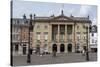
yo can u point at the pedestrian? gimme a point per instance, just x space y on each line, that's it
54 53
41 51
83 52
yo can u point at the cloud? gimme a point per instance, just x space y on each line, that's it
84 10
94 21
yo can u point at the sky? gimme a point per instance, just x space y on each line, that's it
48 9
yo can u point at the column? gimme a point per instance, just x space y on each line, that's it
65 39
65 33
58 47
73 39
58 33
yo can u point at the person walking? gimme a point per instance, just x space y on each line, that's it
54 53
83 52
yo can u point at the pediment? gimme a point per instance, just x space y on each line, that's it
62 18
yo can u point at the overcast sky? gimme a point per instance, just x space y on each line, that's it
47 9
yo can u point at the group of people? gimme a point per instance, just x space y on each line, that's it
41 52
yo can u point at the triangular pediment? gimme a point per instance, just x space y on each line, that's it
62 17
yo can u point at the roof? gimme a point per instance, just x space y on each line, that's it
61 17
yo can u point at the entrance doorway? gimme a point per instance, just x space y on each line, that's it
69 47
24 49
62 48
54 47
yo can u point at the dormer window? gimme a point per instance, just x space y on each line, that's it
26 22
17 21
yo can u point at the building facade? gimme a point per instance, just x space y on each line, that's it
61 33
93 38
20 36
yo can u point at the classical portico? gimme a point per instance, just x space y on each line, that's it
63 37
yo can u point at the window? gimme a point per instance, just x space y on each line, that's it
78 37
46 27
84 37
78 32
77 27
16 47
17 37
84 26
95 41
17 30
26 22
78 46
92 34
92 40
38 26
69 29
31 38
37 32
38 35
84 32
45 35
17 21
62 37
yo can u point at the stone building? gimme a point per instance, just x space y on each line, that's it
93 38
20 36
61 33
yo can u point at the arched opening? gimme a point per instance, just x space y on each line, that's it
62 48
54 47
24 49
38 49
69 47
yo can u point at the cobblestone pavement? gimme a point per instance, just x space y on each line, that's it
48 59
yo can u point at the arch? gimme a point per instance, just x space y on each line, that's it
54 47
69 47
62 48
24 49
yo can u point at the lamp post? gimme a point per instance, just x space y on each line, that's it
11 31
29 55
87 53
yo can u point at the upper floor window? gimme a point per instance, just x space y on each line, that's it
17 21
84 32
92 34
78 32
84 26
26 22
95 41
77 27
45 26
45 35
69 29
38 35
38 32
92 40
38 26
78 37
84 37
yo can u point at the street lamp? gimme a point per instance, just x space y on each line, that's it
87 53
11 44
29 55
